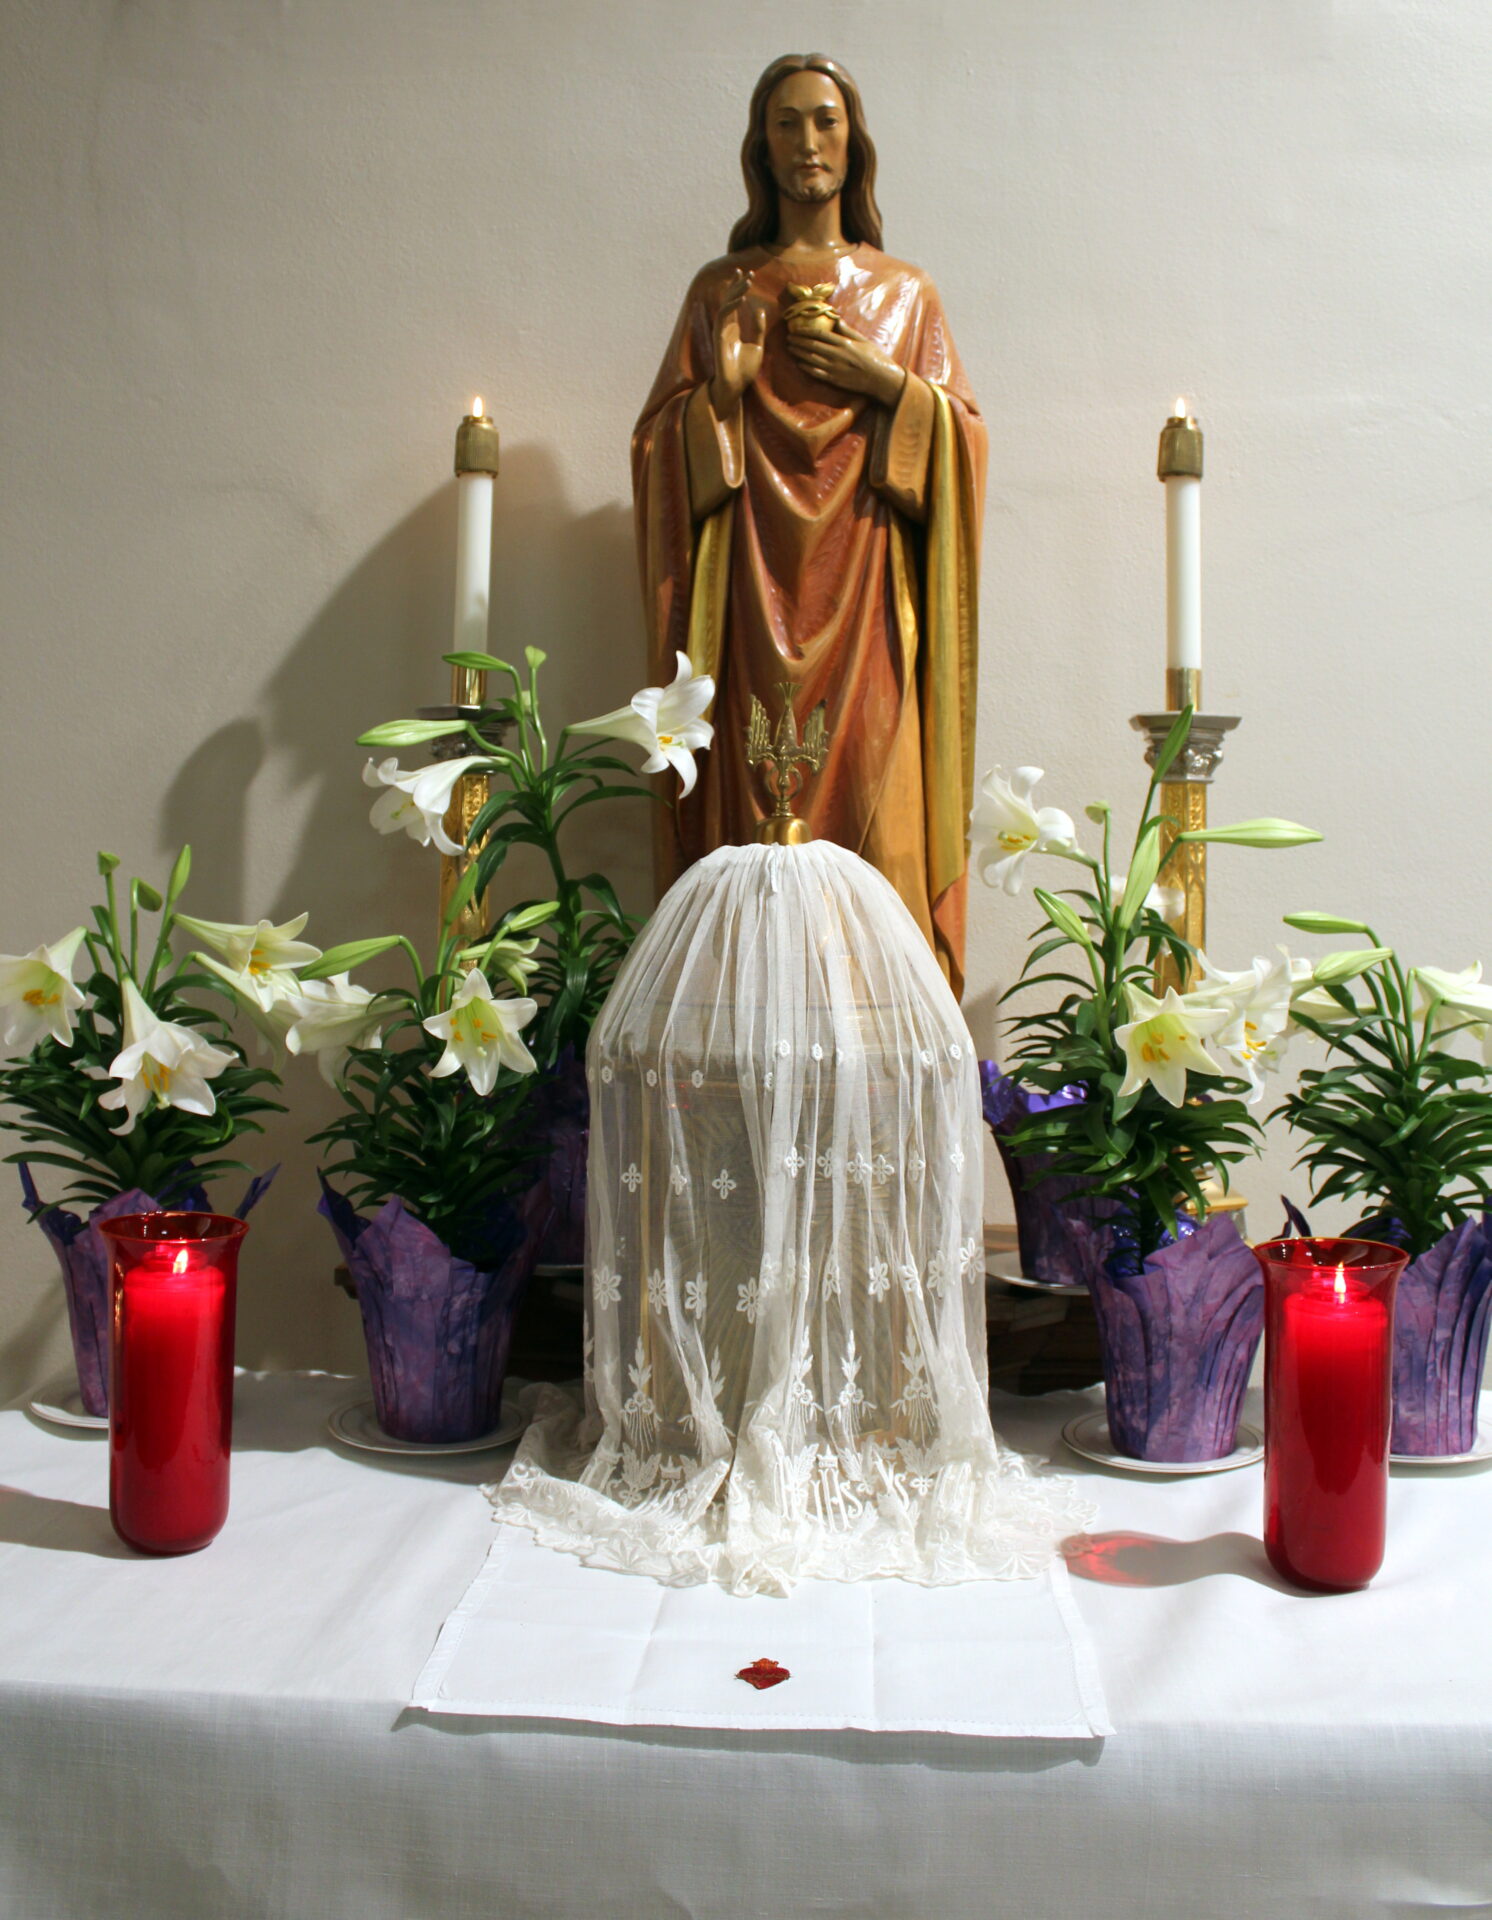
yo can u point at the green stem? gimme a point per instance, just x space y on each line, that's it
114 946
533 694
162 940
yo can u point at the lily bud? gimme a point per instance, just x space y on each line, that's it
1255 833
1325 923
1333 968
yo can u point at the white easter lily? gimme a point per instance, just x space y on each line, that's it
1005 827
416 802
1257 1001
162 1064
1464 1002
666 721
481 1034
1164 1041
328 1017
271 1022
260 959
37 995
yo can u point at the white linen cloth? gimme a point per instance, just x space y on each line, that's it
222 1737
540 1635
786 1374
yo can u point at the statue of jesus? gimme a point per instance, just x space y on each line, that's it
808 474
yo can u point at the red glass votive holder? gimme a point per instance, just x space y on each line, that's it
172 1288
1328 1407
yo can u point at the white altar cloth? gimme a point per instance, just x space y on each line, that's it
540 1635
224 1737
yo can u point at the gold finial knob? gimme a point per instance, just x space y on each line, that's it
477 442
784 756
1180 452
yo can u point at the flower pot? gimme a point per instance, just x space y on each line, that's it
1178 1334
83 1255
1065 1234
563 1110
1440 1341
438 1329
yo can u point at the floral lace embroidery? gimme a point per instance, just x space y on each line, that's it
606 1287
695 1293
723 1184
632 1178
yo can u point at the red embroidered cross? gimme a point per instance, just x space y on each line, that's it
764 1673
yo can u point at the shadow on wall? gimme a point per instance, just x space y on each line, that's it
565 582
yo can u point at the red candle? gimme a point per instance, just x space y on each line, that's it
173 1279
1328 1406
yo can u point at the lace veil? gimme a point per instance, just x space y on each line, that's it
785 1338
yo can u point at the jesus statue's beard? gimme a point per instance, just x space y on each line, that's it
811 192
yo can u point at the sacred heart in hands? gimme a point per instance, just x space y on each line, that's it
764 1673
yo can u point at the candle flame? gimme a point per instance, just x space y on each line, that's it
181 1262
476 408
1339 1285
1179 412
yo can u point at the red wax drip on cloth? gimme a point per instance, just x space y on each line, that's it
764 1673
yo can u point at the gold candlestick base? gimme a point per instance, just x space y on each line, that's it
1183 798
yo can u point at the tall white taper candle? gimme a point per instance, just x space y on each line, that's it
473 553
1180 468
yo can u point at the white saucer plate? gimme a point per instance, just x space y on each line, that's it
1013 1277
60 1404
356 1426
1088 1435
1481 1451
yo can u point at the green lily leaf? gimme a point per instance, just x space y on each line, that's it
1174 741
351 953
478 662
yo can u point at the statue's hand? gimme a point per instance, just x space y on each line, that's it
740 335
849 361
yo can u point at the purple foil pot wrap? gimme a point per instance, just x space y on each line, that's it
83 1255
1440 1336
564 1110
1178 1334
1065 1234
437 1328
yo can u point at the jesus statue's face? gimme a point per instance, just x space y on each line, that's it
808 137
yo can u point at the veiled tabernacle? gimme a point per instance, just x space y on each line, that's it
786 1371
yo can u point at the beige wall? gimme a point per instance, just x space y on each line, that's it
257 256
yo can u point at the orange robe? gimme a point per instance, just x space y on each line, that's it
820 538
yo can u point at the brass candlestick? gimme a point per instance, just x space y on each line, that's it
1183 799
